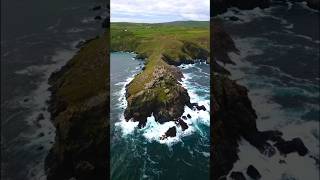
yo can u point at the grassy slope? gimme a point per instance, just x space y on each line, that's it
157 40
79 109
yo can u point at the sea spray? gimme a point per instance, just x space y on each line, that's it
154 130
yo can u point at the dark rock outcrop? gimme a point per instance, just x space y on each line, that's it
295 145
183 124
171 132
163 96
237 176
253 172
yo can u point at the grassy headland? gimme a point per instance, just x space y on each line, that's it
79 110
162 45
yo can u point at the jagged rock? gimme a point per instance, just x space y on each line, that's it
163 96
183 124
171 132
202 107
237 176
295 145
253 172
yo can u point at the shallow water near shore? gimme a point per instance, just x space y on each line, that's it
139 153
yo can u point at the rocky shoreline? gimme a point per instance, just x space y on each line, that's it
156 91
79 108
234 117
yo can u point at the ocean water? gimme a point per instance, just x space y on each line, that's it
37 38
279 63
139 153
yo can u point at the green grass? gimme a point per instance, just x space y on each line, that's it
158 40
88 75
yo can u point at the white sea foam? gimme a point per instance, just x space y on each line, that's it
295 166
271 116
154 130
37 103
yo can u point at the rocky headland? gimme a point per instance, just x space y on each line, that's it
157 90
79 108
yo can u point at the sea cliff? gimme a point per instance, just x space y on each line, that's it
79 108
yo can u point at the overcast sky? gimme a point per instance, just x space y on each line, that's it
159 10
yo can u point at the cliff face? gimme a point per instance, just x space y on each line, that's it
79 109
233 115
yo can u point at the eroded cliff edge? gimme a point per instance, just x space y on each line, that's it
79 108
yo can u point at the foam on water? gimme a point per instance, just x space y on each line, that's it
37 103
272 116
294 166
154 130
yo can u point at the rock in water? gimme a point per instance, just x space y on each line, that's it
295 145
171 132
253 172
203 108
237 176
183 124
